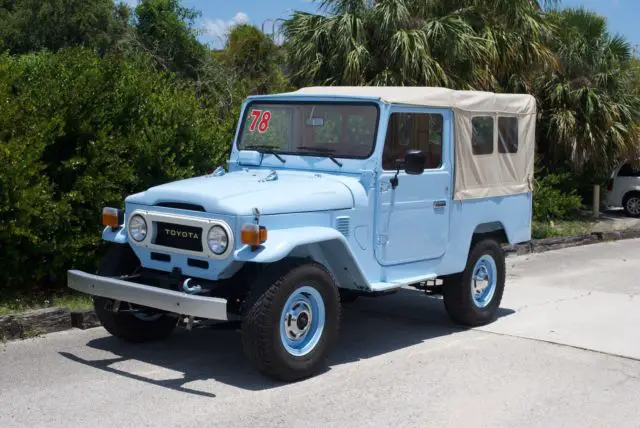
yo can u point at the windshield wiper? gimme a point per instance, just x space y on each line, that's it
266 149
321 151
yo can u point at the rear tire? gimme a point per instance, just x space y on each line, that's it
120 260
631 204
473 296
291 320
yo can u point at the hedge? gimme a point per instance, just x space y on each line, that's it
78 132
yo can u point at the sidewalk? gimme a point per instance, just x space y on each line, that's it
615 221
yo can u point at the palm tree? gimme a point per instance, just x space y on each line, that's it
466 44
589 110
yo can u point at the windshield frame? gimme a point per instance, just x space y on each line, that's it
294 101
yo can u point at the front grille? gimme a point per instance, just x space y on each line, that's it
179 236
181 206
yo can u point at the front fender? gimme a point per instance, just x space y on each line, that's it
323 244
281 243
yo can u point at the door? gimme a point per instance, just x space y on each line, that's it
412 219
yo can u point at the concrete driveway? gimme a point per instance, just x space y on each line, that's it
564 353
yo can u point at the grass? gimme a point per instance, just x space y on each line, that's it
73 302
561 228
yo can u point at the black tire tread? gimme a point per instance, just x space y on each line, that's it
456 288
257 329
121 260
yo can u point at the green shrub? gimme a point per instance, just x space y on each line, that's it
79 132
551 200
30 216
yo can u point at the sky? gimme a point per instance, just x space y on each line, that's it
218 15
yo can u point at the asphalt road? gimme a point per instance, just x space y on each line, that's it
564 353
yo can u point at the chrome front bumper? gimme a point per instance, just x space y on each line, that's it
152 297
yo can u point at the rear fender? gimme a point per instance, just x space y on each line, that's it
494 230
632 189
324 245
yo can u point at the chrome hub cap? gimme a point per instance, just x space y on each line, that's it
483 281
302 321
298 320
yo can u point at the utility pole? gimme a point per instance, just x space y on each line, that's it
596 201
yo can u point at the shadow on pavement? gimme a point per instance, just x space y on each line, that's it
370 327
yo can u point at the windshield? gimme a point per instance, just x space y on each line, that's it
311 129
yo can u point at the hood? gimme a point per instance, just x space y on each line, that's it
238 192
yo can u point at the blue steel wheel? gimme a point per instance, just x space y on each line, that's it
302 321
472 297
484 280
291 319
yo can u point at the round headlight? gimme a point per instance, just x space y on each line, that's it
138 228
218 240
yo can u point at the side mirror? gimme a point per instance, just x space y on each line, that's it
414 162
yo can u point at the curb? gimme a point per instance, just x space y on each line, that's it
50 320
551 244
41 321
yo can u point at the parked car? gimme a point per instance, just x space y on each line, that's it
623 190
331 193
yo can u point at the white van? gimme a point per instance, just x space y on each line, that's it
623 190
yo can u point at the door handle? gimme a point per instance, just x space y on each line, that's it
439 204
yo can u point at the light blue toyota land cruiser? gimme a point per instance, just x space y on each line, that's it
330 193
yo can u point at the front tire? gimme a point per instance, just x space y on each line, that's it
120 260
292 320
473 297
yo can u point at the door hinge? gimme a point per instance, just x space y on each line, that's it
385 186
382 239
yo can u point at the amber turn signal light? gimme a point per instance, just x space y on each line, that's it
112 217
252 234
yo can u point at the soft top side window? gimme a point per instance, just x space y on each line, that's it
408 131
482 135
507 134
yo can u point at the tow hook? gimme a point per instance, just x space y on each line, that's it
190 289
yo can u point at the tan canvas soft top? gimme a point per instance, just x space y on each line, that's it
476 176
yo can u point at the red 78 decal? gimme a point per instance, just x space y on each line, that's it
261 120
